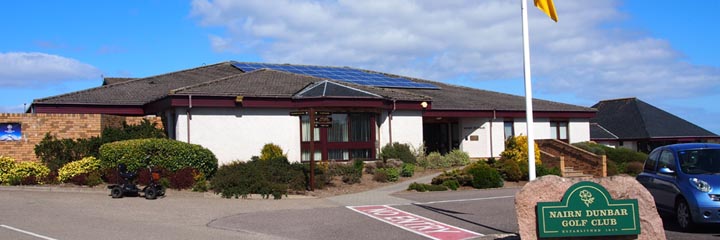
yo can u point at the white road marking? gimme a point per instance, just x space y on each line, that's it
27 232
414 223
465 200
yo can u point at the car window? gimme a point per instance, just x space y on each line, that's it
651 162
667 160
700 161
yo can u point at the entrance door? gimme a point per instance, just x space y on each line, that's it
441 137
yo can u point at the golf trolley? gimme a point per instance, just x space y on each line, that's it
126 186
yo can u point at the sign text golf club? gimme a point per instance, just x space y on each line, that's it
587 209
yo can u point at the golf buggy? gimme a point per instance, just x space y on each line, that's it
127 187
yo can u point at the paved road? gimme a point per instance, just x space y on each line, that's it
94 215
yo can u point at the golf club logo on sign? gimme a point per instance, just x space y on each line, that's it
587 209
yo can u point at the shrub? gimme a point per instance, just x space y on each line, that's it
270 151
457 157
510 170
435 161
398 151
516 149
451 184
407 170
624 155
25 173
462 177
6 165
542 171
201 183
421 187
358 165
386 175
591 147
484 176
181 179
270 177
90 179
370 167
393 163
164 153
85 166
634 168
612 168
55 153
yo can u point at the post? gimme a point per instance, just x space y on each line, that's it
312 149
528 93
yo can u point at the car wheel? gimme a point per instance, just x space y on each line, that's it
683 216
150 193
116 192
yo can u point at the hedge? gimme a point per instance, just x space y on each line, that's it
164 153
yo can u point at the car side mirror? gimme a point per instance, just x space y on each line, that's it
666 170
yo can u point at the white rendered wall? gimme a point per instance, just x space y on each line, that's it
238 134
541 128
487 144
407 127
579 130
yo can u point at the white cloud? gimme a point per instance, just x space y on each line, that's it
583 54
23 69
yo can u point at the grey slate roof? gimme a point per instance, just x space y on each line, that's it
143 90
223 79
631 118
453 97
114 80
273 83
600 133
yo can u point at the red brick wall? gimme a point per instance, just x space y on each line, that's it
35 126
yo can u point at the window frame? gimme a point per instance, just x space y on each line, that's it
556 130
324 145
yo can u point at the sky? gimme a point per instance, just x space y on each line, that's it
662 52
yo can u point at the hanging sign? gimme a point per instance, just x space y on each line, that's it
587 209
10 132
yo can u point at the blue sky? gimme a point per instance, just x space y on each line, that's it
662 52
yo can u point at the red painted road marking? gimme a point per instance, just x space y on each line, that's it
414 223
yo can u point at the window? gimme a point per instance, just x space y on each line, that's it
509 129
651 162
559 130
667 160
351 136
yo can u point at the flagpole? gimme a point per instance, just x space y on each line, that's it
528 93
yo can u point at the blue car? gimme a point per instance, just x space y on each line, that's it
684 179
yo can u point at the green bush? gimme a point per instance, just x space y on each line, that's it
270 151
84 166
451 184
542 171
624 155
421 187
591 147
634 168
386 175
612 168
510 170
484 176
164 153
55 153
437 161
457 157
460 176
398 151
272 177
16 173
407 170
359 165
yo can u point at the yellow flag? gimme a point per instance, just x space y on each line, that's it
548 7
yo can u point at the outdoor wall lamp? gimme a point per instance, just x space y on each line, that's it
424 105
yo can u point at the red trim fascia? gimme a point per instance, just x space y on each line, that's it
200 101
682 139
505 114
90 109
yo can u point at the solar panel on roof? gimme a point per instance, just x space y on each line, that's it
350 75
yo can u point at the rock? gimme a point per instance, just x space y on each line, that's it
552 188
